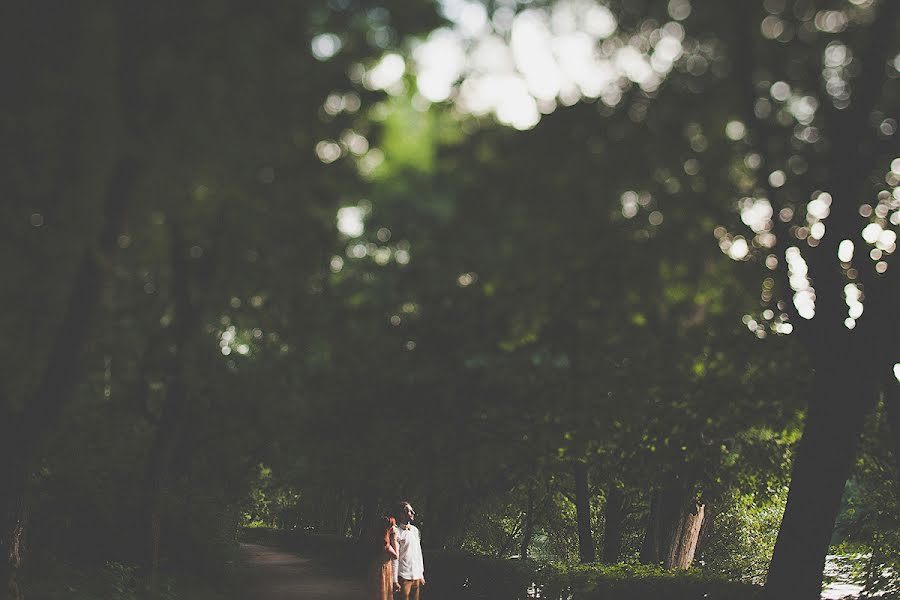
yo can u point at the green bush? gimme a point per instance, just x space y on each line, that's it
640 582
54 580
458 575
743 537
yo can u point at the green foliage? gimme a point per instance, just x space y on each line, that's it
114 581
271 504
743 536
641 582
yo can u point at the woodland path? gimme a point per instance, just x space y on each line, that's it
272 574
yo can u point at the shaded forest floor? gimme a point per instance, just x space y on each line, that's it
270 574
287 568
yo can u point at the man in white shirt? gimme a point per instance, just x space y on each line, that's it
409 568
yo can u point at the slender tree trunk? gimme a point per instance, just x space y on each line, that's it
356 532
341 513
347 521
586 550
157 478
892 408
370 505
15 524
528 526
673 528
843 394
650 544
614 517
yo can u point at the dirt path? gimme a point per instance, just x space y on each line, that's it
270 574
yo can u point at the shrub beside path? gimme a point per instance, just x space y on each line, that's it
271 574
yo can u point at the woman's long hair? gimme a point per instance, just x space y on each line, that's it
383 527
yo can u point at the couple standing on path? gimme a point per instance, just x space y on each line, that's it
398 565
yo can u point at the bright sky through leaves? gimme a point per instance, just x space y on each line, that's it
518 65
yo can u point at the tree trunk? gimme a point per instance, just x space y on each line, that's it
673 527
172 415
586 551
528 526
15 524
23 433
686 537
892 408
843 394
614 517
158 467
347 521
367 518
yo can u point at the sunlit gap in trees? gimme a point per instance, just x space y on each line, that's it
387 73
786 105
517 63
804 293
884 214
351 226
245 342
632 201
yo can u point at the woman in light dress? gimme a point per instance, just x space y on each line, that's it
381 579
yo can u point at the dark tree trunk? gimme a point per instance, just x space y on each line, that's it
843 394
892 408
367 518
613 517
172 416
586 551
650 545
157 477
673 527
446 516
528 526
22 433
347 521
15 524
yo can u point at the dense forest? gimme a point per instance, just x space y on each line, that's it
606 288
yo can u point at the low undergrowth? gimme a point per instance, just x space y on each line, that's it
51 579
